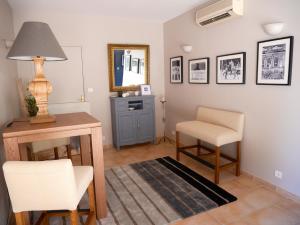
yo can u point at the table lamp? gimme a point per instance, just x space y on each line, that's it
36 42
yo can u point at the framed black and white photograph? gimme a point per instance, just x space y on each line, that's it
135 65
145 89
274 61
142 66
127 62
199 71
176 70
231 69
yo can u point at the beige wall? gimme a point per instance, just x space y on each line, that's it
8 94
93 32
272 129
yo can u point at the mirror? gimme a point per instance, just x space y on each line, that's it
128 66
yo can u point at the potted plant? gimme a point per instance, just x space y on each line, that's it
31 105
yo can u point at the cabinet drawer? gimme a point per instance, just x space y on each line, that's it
122 106
135 105
148 105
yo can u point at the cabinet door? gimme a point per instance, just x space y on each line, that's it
145 126
127 128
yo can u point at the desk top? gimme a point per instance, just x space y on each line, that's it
68 121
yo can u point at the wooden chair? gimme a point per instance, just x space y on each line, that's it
47 186
55 144
216 127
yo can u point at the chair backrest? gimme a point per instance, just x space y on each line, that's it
229 119
41 185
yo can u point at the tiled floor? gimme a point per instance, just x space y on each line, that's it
257 204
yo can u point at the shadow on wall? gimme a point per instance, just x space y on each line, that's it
4 199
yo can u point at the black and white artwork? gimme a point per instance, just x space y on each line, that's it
274 61
142 66
176 70
199 71
127 62
231 68
135 65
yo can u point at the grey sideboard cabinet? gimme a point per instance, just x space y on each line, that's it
133 120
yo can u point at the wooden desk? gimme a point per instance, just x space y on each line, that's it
67 125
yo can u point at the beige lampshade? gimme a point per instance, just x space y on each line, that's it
36 39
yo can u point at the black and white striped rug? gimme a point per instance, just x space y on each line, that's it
157 192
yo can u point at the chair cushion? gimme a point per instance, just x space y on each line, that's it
83 177
46 185
207 132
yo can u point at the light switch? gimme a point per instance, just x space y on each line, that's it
90 90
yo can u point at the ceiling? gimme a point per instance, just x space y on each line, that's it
158 10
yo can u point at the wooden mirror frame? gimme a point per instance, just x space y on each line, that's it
111 48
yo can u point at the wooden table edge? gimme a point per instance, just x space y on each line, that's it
49 130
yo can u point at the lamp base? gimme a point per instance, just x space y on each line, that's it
42 119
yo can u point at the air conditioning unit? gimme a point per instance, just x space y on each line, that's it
219 12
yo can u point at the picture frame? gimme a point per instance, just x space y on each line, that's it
274 61
176 70
142 66
199 71
135 65
127 62
231 68
145 89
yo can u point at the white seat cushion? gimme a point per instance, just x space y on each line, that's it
46 185
83 177
207 132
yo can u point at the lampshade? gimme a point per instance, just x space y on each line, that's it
36 39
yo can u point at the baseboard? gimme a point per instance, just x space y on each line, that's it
108 146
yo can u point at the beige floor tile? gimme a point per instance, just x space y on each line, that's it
239 223
273 216
200 219
231 212
261 198
291 206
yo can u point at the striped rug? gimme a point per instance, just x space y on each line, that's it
158 192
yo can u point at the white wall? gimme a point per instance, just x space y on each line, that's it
8 95
271 138
93 33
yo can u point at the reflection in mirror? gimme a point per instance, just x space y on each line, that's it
128 66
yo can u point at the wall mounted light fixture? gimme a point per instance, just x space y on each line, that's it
187 48
273 28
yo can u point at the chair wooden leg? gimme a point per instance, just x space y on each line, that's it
19 218
217 165
177 146
198 147
46 220
74 217
69 153
238 159
92 203
56 153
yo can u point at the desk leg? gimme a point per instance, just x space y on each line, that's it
85 150
12 153
99 180
11 147
23 152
